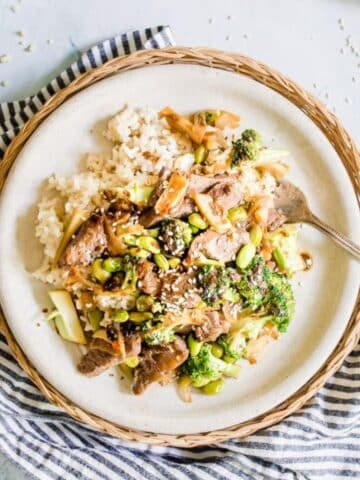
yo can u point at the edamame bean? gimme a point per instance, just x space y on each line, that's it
144 303
256 235
140 316
148 243
200 154
95 316
139 252
132 362
120 316
161 261
217 350
245 255
98 272
174 262
213 388
237 214
197 221
194 345
112 264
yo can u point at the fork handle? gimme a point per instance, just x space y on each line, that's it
338 237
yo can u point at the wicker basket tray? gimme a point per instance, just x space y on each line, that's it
320 116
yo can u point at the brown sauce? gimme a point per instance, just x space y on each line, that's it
308 260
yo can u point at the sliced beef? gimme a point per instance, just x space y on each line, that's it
180 290
214 326
217 246
275 219
100 357
164 175
90 242
197 183
202 183
149 281
157 362
226 195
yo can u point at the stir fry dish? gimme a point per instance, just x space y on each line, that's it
168 258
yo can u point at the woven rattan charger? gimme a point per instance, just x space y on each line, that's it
320 116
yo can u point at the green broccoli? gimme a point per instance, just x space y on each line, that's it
129 267
252 286
247 147
205 367
280 299
175 235
160 334
215 281
262 288
246 328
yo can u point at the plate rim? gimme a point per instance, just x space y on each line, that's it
335 133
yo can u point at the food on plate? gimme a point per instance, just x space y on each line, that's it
167 257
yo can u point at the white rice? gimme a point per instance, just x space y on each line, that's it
142 145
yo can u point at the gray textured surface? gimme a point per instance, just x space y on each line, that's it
307 43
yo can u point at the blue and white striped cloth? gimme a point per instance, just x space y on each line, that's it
322 441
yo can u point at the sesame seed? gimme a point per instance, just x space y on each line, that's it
347 99
20 33
314 85
227 37
50 41
211 20
4 83
353 79
245 35
14 8
342 51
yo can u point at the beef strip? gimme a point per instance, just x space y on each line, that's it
217 246
90 242
214 326
180 290
100 357
226 195
149 281
157 362
275 219
197 183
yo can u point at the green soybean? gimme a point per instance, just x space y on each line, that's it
130 240
120 316
161 261
217 350
139 252
95 316
98 272
132 362
245 255
200 154
174 262
237 214
144 303
112 264
196 220
148 243
194 345
138 317
213 388
256 235
194 229
152 232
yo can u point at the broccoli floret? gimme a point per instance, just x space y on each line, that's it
175 236
205 367
247 147
252 286
159 335
263 288
246 328
280 299
129 267
215 281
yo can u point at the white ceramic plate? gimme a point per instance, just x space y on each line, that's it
325 296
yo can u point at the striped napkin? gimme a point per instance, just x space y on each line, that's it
322 441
